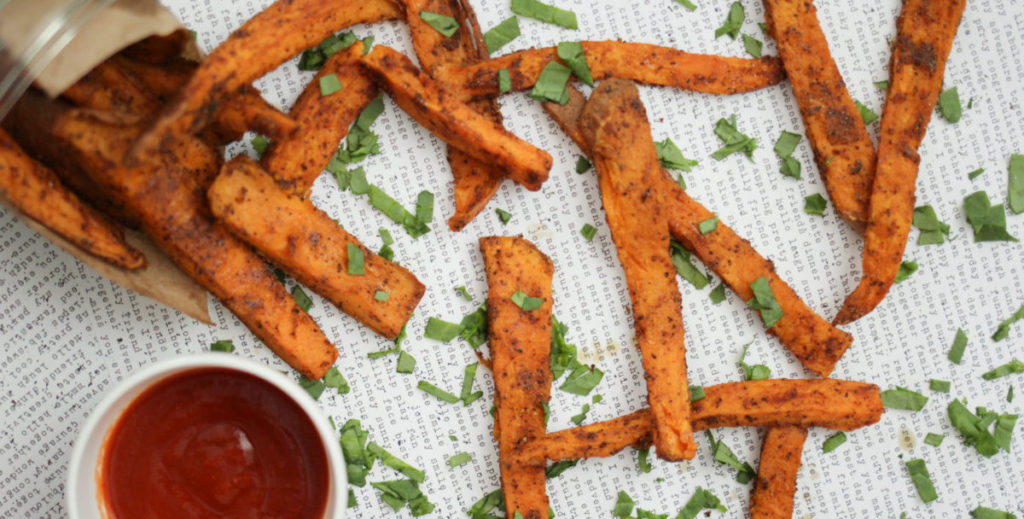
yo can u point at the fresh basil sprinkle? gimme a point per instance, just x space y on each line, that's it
504 81
906 269
623 505
260 144
468 376
752 45
708 226
734 141
582 164
815 204
545 13
755 372
335 380
578 419
685 268
922 480
883 85
224 345
588 231
700 500
314 58
503 215
582 380
975 432
1015 197
301 299
571 53
934 439
440 330
501 34
445 25
988 221
433 390
982 512
723 454
785 145
525 302
949 105
1003 330
866 114
833 442
425 206
903 398
974 174
733 21
315 388
642 461
764 301
355 260
556 469
367 44
1010 368
941 386
461 290
687 4
956 352
933 231
460 459
671 157
406 362
381 296
551 84
696 393
329 84
717 294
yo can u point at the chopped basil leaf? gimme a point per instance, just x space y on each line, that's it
922 480
941 386
224 345
460 459
563 354
367 44
903 398
906 269
752 45
1010 368
578 419
487 503
883 85
949 105
388 459
385 353
588 231
315 388
681 182
696 393
764 301
1003 330
1004 430
445 25
583 165
717 294
790 167
385 236
974 174
1015 198
461 290
499 36
260 144
1009 394
334 379
469 374
990 513
833 442
582 380
734 141
687 4
571 53
934 439
361 142
387 253
556 469
526 302
406 362
642 462
313 59
975 432
866 114
301 299
433 390
671 157
700 500
815 204
474 327
545 13
439 330
357 181
755 372
381 296
733 21
397 494
686 269
551 84
644 514
956 352
398 214
425 206
764 27
708 226
356 267
623 505
504 81
723 454
932 229
329 84
988 221
503 215
785 145
547 412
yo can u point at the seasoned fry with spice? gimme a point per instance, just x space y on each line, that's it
924 37
312 248
641 62
614 124
35 190
519 335
772 497
455 122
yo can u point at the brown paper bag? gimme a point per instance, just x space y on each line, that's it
122 23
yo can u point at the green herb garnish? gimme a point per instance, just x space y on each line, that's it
734 141
503 215
733 21
1015 197
922 480
1003 330
504 81
696 393
717 294
934 439
932 229
433 390
903 398
764 301
445 25
224 345
941 386
1010 368
708 226
815 204
686 269
623 505
406 362
545 13
975 174
949 105
461 290
551 84
440 330
329 84
583 165
501 34
571 53
260 144
671 157
988 221
956 352
315 388
588 231
525 302
906 269
866 114
752 45
460 459
700 500
833 442
755 372
301 299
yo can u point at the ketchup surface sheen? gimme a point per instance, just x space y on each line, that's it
214 442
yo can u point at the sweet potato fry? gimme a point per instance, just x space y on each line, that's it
817 344
265 41
35 190
110 87
311 247
614 124
830 403
641 62
163 194
476 181
772 496
296 160
455 122
924 37
842 148
520 343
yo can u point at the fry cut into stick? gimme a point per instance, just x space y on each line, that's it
35 190
830 403
266 40
455 122
296 160
924 37
614 124
842 148
312 248
772 497
817 344
641 62
520 343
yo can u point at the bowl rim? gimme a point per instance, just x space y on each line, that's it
145 377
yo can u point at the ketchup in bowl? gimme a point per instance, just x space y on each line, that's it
213 442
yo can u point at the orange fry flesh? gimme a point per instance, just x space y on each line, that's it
641 62
455 122
775 486
520 343
842 148
618 134
924 37
307 244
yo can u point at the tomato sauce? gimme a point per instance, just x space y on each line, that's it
213 442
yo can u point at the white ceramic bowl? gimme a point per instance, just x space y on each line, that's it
82 491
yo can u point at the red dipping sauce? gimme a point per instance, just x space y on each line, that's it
213 442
